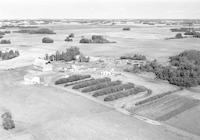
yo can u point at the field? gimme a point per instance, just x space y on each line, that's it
166 107
148 41
58 112
49 113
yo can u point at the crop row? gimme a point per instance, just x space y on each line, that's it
156 97
113 89
90 83
101 86
125 93
78 82
71 79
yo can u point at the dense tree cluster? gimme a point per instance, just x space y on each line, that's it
184 70
9 54
47 40
134 57
68 55
4 41
95 39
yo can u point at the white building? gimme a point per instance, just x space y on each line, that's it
31 79
42 65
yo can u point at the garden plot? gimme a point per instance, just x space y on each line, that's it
103 89
166 107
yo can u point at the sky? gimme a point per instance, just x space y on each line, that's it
98 9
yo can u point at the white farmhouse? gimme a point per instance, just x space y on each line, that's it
42 65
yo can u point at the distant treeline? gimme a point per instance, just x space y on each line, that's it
36 31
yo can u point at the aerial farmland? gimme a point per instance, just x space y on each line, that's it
99 80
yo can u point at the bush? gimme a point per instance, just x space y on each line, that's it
68 39
101 86
123 94
3 41
90 83
71 79
7 121
113 89
47 40
178 36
